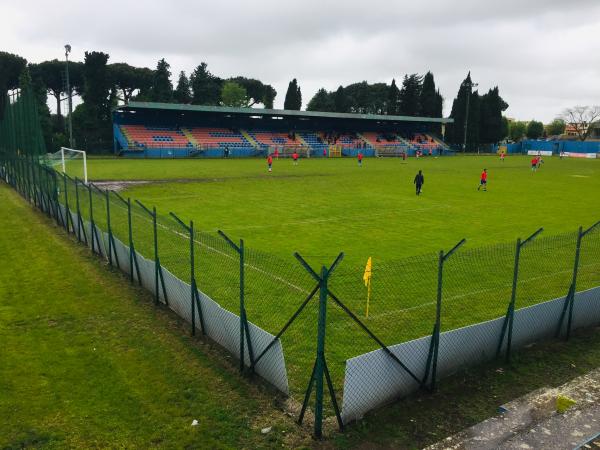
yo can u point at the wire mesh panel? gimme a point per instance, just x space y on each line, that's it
280 298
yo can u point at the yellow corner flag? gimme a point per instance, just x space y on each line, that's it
367 280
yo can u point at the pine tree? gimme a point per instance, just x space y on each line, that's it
393 101
321 101
183 92
410 95
206 87
162 88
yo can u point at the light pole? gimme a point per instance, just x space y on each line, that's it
470 85
69 99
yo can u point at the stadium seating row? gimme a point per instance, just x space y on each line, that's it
142 136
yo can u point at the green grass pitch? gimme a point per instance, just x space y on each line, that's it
322 207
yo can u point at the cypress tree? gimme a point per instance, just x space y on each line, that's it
293 96
393 101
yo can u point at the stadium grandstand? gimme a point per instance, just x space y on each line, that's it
174 130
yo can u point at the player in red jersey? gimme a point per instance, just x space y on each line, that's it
534 164
270 163
360 158
483 180
502 155
295 157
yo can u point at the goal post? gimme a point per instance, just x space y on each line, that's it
65 155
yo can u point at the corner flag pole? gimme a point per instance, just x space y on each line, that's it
368 297
367 279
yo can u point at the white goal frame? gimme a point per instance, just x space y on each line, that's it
62 159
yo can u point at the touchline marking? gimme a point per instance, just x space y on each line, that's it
264 272
481 291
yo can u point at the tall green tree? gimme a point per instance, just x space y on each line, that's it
321 101
556 127
206 87
393 101
431 100
455 131
410 95
162 88
269 96
127 80
293 96
11 67
234 95
256 91
36 88
183 92
517 130
534 130
340 100
491 129
53 75
92 120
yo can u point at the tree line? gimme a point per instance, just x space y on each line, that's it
102 86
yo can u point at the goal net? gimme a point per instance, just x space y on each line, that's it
69 161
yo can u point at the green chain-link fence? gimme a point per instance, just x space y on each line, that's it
322 330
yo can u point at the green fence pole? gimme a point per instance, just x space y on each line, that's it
244 327
319 368
78 210
92 225
156 260
570 300
507 326
68 217
193 278
110 237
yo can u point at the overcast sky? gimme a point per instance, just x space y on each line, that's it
543 54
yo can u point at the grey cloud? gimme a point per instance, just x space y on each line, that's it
541 53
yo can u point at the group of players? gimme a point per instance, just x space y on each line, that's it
419 179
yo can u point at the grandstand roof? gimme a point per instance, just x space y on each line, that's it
131 106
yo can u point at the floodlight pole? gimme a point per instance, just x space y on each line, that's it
69 99
470 85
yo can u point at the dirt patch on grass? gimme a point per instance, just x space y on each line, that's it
119 185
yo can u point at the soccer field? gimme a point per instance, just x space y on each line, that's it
322 207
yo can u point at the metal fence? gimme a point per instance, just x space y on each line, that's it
354 339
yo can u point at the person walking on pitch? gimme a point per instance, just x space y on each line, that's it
360 158
483 180
270 163
295 157
419 182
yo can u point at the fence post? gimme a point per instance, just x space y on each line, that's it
78 210
67 209
158 275
432 356
133 262
244 327
194 296
320 369
510 313
570 299
110 236
93 231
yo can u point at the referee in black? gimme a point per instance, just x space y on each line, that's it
419 182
